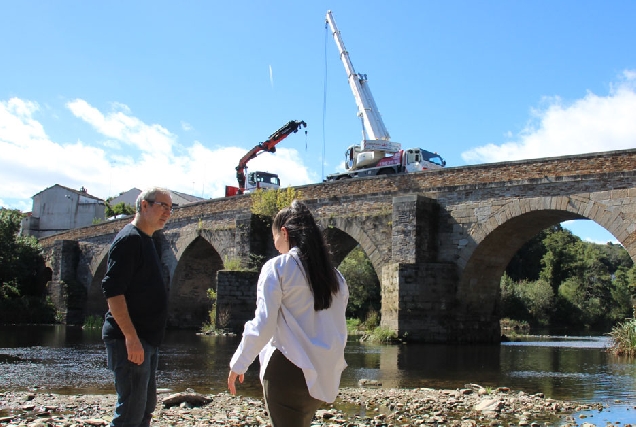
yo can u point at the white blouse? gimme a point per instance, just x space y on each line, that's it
285 319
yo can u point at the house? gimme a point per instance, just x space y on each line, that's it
59 208
130 198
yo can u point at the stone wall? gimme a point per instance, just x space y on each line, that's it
236 299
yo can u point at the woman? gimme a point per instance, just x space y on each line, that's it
299 330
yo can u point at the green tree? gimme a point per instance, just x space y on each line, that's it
22 284
20 258
592 285
121 208
621 295
268 202
526 263
559 256
363 283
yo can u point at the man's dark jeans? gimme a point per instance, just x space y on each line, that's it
136 385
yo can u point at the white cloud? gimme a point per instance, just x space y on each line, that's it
271 76
593 123
31 161
186 126
125 128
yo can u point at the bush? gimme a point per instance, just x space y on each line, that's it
381 335
353 326
624 338
372 320
210 326
267 203
27 309
93 322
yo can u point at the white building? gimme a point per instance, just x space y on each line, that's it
130 197
60 208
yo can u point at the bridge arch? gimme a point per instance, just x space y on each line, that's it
494 240
197 262
345 233
96 304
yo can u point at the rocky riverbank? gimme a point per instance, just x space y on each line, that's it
374 406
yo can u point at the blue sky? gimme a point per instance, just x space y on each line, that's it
115 95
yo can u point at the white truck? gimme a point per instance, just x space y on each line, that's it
376 154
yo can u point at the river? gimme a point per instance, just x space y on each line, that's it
70 360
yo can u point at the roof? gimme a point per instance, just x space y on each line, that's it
81 192
178 198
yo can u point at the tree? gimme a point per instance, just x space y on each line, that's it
621 295
526 263
559 256
121 208
363 283
591 284
22 283
267 203
20 258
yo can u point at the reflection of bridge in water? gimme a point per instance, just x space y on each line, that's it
439 241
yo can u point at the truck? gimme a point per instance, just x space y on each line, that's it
261 180
376 154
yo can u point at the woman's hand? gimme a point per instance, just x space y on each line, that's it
231 381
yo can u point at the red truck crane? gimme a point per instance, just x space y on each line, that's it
256 180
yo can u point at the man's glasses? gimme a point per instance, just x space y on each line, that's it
166 207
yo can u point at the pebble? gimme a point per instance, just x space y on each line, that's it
374 406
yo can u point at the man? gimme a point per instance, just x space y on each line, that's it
137 299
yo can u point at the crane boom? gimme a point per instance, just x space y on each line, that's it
269 146
375 134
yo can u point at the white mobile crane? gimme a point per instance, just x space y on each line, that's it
376 154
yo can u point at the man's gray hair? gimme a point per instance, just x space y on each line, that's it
149 195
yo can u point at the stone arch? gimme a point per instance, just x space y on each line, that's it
221 240
494 240
96 304
194 273
344 233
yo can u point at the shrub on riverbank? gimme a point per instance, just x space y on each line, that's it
624 338
93 322
380 335
27 309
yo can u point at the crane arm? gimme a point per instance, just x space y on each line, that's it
373 126
268 145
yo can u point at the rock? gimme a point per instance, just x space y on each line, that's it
95 422
193 399
369 383
489 405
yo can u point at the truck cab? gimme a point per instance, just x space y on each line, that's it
418 159
262 180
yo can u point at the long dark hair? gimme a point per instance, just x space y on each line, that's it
304 233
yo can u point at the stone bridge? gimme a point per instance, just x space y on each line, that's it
439 241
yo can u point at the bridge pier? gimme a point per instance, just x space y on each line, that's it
419 293
67 294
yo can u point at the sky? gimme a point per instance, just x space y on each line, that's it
115 95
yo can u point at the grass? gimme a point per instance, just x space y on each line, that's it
382 335
624 338
93 322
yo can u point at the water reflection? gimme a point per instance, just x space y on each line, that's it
67 359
